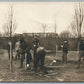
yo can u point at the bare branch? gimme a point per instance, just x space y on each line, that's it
78 19
10 27
44 27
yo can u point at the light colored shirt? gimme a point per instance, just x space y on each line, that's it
39 49
17 45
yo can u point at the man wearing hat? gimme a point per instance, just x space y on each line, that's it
65 51
17 49
35 46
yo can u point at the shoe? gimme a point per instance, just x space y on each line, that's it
45 72
78 67
21 67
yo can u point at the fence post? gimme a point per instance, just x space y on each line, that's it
10 43
56 51
25 61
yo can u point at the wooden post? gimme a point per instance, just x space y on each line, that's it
10 43
56 51
25 61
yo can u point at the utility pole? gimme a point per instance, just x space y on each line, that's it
56 47
11 15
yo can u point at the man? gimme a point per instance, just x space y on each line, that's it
22 51
29 57
65 51
81 52
35 46
17 49
39 59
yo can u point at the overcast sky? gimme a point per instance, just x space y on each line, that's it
31 15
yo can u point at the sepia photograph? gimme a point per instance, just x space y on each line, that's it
41 41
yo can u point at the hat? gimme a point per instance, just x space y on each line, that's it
65 39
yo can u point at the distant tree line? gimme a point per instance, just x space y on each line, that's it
47 42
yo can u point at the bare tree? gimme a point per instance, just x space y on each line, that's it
10 26
56 39
9 29
77 25
65 34
73 30
55 29
44 28
78 18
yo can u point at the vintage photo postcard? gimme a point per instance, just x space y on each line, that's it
41 41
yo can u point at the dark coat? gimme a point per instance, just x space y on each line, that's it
35 42
39 59
8 47
65 47
81 45
22 46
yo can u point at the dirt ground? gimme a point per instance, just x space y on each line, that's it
57 72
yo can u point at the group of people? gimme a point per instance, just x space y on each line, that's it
22 48
39 53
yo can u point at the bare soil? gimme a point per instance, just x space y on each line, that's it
57 72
